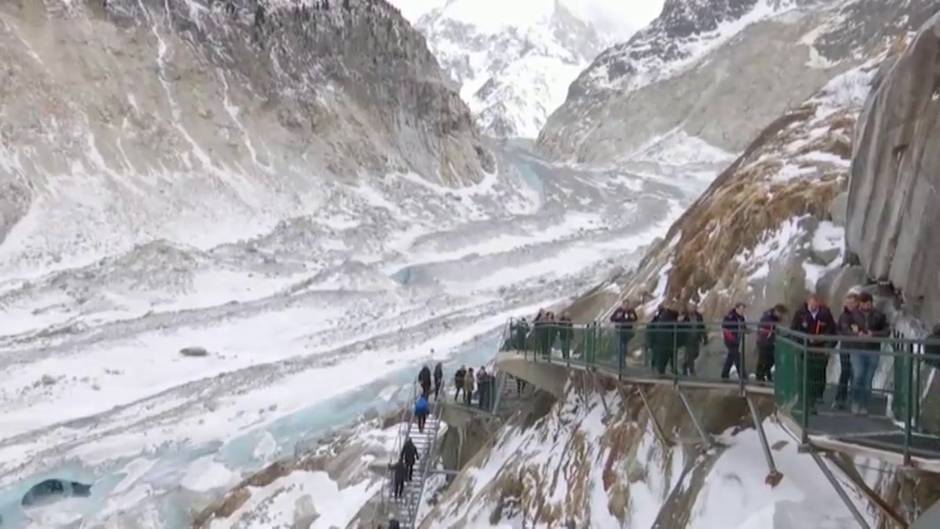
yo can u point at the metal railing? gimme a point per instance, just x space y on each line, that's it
697 352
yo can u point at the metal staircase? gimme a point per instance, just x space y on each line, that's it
405 509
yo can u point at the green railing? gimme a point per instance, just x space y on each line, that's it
891 411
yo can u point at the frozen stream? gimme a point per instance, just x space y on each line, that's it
308 328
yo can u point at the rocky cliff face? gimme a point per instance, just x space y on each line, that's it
719 71
136 114
892 213
764 231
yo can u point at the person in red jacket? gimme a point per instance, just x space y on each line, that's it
815 319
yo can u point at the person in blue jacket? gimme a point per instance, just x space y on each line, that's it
422 409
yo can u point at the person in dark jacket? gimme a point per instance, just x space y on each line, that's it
766 340
871 323
422 409
733 328
815 319
624 318
522 331
539 331
409 455
438 380
394 524
848 328
565 334
424 378
483 387
458 381
551 332
399 474
663 338
694 336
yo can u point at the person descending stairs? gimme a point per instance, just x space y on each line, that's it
416 460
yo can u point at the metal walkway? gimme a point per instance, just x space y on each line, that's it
892 431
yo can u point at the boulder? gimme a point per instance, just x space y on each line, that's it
48 380
892 218
194 351
305 512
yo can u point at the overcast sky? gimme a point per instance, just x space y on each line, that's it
617 18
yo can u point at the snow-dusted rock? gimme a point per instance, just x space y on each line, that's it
513 61
194 351
201 110
720 71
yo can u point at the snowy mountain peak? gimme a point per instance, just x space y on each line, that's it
513 60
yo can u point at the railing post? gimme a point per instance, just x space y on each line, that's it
916 356
908 413
621 355
804 395
742 355
674 353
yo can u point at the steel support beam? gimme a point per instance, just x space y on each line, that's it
862 522
657 427
774 476
698 426
848 470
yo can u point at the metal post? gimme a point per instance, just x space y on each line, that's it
621 355
742 354
698 427
862 522
917 388
774 477
909 411
675 352
804 396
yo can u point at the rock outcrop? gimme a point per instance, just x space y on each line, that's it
893 217
157 108
719 71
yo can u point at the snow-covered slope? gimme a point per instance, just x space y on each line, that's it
719 71
595 460
189 120
514 60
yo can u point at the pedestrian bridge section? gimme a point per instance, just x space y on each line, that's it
819 412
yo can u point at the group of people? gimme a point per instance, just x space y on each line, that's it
670 331
467 383
546 330
481 382
858 357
